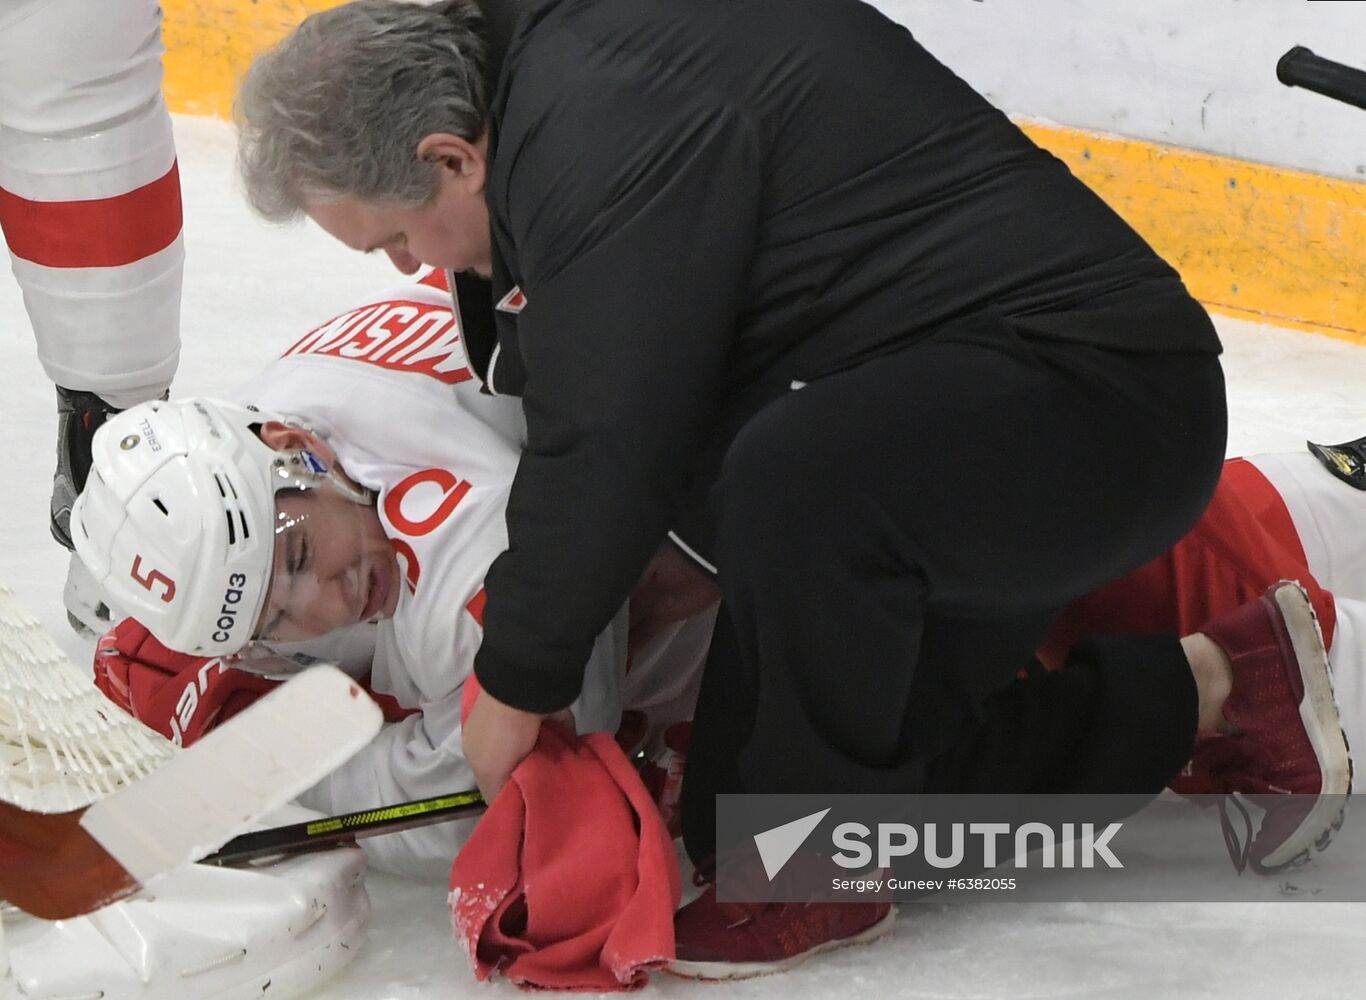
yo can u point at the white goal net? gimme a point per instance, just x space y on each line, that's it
62 743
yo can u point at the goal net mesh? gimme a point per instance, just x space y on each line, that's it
62 743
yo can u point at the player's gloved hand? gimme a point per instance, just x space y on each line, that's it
182 697
671 589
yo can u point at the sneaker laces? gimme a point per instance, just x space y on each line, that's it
736 913
1231 763
1238 850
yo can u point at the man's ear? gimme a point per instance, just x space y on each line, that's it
287 437
465 160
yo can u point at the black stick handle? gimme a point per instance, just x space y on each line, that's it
317 834
1301 68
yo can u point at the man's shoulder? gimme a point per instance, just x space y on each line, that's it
563 46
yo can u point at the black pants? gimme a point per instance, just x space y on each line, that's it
894 542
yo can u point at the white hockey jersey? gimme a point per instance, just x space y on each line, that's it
386 385
1329 518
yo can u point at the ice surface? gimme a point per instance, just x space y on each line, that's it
252 289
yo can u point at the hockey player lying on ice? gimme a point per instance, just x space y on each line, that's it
417 516
408 544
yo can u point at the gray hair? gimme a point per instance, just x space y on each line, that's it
337 109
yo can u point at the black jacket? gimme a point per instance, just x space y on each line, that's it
704 200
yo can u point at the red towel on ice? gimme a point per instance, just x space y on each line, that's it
570 880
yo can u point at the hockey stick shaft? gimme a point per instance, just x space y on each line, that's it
317 834
1302 68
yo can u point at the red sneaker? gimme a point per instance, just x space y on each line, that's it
715 940
1288 747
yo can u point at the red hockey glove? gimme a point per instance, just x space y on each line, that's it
182 697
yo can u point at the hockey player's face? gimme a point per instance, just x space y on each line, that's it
450 231
333 567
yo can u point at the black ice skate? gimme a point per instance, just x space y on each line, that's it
79 415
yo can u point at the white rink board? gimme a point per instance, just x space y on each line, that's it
252 289
1198 75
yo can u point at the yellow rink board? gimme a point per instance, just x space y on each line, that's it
209 43
1250 240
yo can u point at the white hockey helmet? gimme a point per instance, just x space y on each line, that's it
175 521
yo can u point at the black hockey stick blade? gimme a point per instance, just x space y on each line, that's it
315 835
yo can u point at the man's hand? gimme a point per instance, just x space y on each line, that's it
497 737
671 589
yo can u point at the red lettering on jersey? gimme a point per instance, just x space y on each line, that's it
400 335
411 570
332 332
389 326
453 490
476 607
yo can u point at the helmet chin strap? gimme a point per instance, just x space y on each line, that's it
354 492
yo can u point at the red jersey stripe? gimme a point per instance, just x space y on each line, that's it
102 232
